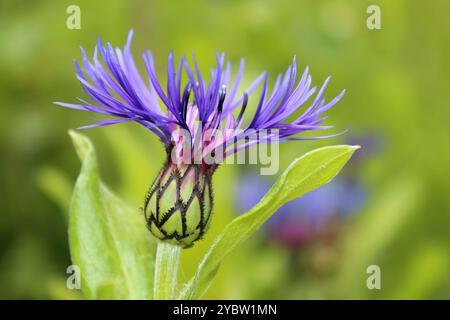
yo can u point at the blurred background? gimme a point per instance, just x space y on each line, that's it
389 207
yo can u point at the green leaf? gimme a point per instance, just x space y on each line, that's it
108 238
310 171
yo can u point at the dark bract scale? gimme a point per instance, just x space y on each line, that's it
179 204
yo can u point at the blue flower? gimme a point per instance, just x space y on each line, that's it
117 89
308 217
195 119
299 221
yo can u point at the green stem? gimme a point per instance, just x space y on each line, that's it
166 271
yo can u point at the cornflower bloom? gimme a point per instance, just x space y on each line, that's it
201 124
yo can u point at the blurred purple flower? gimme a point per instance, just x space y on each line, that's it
304 218
299 220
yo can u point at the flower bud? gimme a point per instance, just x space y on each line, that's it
179 203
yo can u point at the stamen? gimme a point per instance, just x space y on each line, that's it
222 95
186 95
244 106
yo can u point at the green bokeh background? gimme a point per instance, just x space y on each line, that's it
397 82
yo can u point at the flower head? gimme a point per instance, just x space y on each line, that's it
201 120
